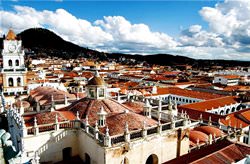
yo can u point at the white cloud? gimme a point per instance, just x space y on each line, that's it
228 36
60 21
195 36
231 19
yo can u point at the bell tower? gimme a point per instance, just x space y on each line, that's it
13 70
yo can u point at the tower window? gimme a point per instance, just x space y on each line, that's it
10 82
17 62
18 81
10 63
101 93
92 93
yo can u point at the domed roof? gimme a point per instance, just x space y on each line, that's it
11 35
50 117
195 135
96 80
210 130
43 95
117 114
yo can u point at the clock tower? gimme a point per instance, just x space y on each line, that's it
13 70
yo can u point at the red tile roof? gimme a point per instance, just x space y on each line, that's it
116 115
43 95
186 93
220 152
49 117
195 135
210 130
229 76
213 103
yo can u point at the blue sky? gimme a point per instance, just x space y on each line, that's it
198 28
163 16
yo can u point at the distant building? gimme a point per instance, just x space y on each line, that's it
227 79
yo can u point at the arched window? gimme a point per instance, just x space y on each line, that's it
67 153
233 109
18 81
10 82
87 159
10 63
228 110
152 159
17 62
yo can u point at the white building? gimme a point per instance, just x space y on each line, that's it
227 79
100 130
13 71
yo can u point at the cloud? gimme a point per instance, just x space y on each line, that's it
228 35
231 20
60 21
195 36
134 36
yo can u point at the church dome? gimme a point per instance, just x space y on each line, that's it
117 115
11 35
96 80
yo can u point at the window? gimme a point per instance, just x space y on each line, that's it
18 81
17 62
10 82
92 93
101 92
10 63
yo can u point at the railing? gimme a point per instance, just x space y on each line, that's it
91 130
52 126
152 131
117 139
100 137
137 134
166 126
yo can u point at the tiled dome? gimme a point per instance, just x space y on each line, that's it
210 130
195 135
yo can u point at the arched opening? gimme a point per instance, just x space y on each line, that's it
152 159
125 161
238 108
87 159
10 63
67 153
10 81
17 62
215 112
221 112
18 81
228 110
233 109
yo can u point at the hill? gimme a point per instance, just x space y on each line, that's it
46 43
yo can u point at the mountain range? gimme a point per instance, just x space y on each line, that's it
44 42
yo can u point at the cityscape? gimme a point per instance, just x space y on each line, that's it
115 82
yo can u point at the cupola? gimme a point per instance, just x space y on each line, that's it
101 117
96 88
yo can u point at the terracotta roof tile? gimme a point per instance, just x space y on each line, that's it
186 93
213 103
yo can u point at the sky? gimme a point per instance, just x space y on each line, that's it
199 29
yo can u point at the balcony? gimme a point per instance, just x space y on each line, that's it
13 70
